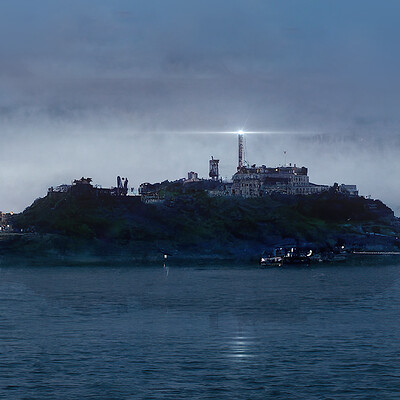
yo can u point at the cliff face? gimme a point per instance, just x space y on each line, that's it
193 223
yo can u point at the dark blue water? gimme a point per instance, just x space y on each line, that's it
200 333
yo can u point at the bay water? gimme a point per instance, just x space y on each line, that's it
200 332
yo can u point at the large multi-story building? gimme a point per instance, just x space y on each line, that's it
257 181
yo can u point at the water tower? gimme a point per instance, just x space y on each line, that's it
214 169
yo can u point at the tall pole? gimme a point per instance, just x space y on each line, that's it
241 147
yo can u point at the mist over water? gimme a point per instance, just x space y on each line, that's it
98 90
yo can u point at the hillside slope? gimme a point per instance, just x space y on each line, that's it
193 224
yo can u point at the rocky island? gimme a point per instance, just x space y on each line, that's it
260 208
189 223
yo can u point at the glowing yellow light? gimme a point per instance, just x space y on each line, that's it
240 132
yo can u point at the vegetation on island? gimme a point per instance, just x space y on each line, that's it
191 223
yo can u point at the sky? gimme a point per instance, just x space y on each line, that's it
134 88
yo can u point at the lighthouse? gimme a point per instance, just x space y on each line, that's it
241 149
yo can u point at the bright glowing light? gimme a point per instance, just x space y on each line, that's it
240 132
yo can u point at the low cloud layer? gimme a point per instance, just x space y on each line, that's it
111 88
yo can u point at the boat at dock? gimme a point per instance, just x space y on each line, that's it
286 256
296 256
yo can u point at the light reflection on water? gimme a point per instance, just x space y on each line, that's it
240 347
209 332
